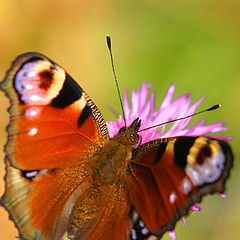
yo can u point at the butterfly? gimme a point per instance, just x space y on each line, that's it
65 174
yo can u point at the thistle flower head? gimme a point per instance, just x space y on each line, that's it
142 106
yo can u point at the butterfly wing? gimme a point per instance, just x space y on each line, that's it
102 214
54 130
168 176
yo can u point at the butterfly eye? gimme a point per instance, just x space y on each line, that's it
122 130
135 138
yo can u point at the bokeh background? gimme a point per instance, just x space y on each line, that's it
194 44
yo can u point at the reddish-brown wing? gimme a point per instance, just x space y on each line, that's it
168 176
54 130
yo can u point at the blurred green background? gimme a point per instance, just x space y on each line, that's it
194 44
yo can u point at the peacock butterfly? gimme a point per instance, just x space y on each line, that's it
65 174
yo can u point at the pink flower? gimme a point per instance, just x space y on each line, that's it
142 106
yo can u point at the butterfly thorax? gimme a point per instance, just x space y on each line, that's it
112 162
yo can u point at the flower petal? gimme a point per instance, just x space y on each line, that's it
184 222
195 208
172 235
168 98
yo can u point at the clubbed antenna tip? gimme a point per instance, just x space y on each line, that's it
109 44
214 107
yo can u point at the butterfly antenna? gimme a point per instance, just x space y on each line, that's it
178 119
109 44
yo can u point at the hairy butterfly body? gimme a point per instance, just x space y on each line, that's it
64 173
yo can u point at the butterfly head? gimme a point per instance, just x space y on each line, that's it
131 132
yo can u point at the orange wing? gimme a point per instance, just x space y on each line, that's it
54 130
168 176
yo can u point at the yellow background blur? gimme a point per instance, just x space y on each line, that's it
194 44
